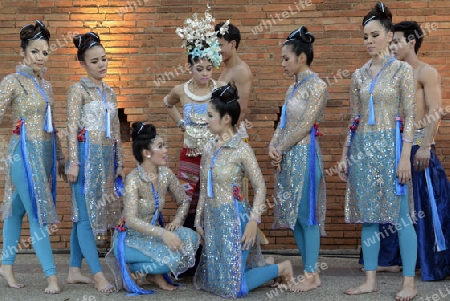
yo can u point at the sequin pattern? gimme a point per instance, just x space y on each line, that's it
370 196
195 119
303 110
219 270
27 102
139 210
86 110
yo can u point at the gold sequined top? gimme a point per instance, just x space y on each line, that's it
85 109
140 202
234 160
304 108
27 102
393 90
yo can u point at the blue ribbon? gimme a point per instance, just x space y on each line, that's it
210 179
118 182
312 178
108 118
28 172
439 236
371 120
399 188
284 108
243 289
86 160
48 127
130 285
157 214
54 168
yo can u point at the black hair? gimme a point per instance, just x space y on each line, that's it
32 32
142 136
225 101
86 41
381 13
301 40
233 33
411 31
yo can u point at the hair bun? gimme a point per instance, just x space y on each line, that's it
302 34
34 32
226 93
85 39
382 11
142 131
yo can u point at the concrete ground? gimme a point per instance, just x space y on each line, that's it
339 272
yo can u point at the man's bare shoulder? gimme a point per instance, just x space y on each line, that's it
241 72
426 72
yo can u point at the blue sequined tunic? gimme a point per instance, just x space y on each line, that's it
304 109
87 110
139 210
28 103
220 267
371 196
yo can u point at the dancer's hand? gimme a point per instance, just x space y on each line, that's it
62 170
274 154
175 224
249 237
343 169
404 170
72 173
422 158
120 172
172 241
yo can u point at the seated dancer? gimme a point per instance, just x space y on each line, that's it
194 96
142 240
231 263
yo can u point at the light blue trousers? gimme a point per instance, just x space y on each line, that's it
82 240
21 203
307 236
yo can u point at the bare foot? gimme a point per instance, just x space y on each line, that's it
317 280
7 273
408 291
75 276
387 269
285 274
102 284
306 283
161 282
365 288
53 286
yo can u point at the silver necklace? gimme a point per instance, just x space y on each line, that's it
196 97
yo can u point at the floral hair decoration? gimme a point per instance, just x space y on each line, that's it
200 39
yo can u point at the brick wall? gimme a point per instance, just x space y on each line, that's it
141 44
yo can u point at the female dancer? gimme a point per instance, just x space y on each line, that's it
231 263
294 151
378 165
36 146
95 160
148 246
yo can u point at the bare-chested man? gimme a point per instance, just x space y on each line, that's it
236 70
428 175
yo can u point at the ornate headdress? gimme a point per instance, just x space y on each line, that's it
200 39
